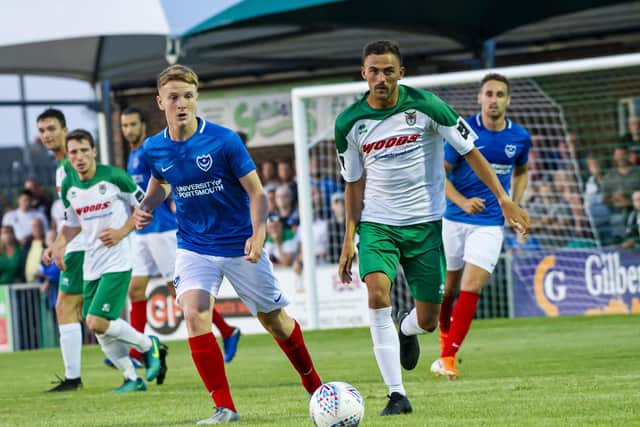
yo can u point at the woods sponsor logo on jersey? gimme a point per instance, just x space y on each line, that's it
204 162
510 150
93 208
394 141
410 117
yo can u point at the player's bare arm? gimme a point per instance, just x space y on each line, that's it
353 198
112 236
259 208
471 205
515 215
56 251
519 183
157 192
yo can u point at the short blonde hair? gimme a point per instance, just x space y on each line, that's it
177 72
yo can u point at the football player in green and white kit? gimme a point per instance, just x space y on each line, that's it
390 145
98 200
52 131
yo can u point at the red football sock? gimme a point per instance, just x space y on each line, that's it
138 319
463 314
210 365
224 328
296 350
445 312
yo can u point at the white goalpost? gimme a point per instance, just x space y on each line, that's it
579 99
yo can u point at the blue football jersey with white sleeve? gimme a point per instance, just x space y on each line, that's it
212 207
504 150
163 218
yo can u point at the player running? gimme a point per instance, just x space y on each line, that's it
221 210
97 200
52 131
473 221
390 145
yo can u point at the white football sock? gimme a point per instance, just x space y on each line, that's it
71 349
386 347
409 325
124 332
118 352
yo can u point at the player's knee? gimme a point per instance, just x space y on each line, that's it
93 324
136 294
196 322
428 322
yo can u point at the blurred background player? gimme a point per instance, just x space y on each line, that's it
97 201
52 131
154 247
390 148
473 221
221 210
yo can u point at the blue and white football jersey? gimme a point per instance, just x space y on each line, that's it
212 208
163 218
504 150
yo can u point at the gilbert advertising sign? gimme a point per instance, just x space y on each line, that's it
586 282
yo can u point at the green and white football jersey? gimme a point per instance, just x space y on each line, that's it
64 168
401 152
101 202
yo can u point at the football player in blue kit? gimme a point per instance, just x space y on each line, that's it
473 221
221 209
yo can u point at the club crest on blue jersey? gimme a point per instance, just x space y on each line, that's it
410 117
510 150
204 162
135 162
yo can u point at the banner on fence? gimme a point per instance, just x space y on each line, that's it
340 305
6 343
584 282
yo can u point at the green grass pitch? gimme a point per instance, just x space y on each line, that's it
578 371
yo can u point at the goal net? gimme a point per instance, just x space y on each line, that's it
575 111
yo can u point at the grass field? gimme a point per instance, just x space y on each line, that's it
522 372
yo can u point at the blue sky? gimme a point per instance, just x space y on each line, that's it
180 19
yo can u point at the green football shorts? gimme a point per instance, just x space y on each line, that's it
71 279
106 296
418 248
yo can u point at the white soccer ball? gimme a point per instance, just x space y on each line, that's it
336 404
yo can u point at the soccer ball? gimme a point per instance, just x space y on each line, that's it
336 404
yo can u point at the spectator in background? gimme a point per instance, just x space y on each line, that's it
284 203
517 244
567 188
325 184
41 199
269 173
287 176
34 249
49 275
632 138
335 228
10 257
617 186
594 201
632 233
319 227
271 198
20 218
550 216
281 245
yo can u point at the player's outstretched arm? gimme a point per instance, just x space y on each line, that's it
353 198
515 215
259 207
157 192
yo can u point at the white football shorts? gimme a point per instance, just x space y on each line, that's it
255 284
479 245
154 253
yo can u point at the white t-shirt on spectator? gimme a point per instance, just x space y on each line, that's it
21 221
